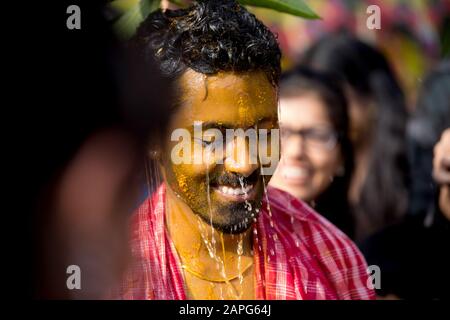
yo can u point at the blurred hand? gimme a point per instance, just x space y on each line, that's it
441 171
95 196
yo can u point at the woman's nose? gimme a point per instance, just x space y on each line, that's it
294 146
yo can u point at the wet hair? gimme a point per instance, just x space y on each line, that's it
208 37
383 198
332 203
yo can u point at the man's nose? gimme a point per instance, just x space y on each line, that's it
241 157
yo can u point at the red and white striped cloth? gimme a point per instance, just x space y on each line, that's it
298 255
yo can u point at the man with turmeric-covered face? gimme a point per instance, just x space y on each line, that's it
213 230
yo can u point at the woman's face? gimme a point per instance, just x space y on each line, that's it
310 154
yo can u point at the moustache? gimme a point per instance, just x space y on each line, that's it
236 180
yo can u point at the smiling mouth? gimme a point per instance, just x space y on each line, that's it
248 192
295 174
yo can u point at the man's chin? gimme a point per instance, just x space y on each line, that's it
234 228
238 221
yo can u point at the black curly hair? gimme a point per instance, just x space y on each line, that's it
208 37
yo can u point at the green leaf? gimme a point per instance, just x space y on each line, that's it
122 6
134 12
294 7
179 3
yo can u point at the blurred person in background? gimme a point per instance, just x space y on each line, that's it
317 158
413 255
378 193
89 133
441 172
430 119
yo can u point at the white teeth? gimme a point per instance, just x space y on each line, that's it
235 191
292 172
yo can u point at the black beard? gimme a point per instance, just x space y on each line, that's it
230 217
237 217
234 180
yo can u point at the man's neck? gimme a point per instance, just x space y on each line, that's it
204 250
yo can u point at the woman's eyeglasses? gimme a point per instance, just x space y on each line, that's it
319 138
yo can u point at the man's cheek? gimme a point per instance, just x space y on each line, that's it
193 174
181 180
196 163
188 181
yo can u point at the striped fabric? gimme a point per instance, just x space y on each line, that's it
298 255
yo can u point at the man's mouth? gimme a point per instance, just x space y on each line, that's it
237 194
236 188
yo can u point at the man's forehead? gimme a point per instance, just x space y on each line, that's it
234 98
223 120
240 83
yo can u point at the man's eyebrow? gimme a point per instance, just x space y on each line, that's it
217 125
212 125
267 121
223 125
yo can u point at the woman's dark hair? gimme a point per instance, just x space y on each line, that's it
208 37
383 198
332 203
432 115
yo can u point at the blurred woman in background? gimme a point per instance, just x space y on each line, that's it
317 159
413 255
378 193
431 118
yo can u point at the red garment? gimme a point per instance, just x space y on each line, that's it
306 256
